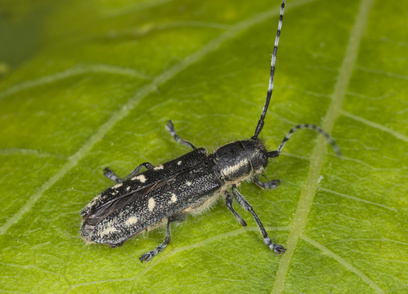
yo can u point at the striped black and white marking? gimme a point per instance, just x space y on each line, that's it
186 185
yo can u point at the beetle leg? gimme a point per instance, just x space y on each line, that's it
268 185
228 201
107 172
172 131
136 171
279 249
116 245
149 255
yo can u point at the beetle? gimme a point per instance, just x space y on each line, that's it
186 185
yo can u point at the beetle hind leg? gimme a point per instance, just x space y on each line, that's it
149 255
172 131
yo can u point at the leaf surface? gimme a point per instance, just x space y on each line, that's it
90 84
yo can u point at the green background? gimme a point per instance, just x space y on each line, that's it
90 84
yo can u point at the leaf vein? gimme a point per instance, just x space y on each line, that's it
345 263
71 72
375 125
38 153
358 199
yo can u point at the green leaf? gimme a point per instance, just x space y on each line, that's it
90 84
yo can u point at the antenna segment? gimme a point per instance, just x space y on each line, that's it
270 88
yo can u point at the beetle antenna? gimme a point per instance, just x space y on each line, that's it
270 88
305 126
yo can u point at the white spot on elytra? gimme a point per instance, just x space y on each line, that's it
140 178
188 183
152 204
117 186
179 162
158 167
131 220
173 198
128 188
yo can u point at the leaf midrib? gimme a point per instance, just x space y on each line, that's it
319 151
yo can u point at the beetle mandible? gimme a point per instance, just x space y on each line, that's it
186 185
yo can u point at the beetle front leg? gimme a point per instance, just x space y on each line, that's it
107 172
268 185
172 131
279 249
149 255
228 201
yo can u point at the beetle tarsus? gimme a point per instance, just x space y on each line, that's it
278 249
107 172
267 185
148 256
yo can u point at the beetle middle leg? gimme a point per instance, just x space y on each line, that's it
172 131
268 185
228 201
137 170
279 249
107 172
149 255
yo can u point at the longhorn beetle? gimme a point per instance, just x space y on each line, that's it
186 185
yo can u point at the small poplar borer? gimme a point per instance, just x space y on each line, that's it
186 185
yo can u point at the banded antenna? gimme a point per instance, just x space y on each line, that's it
270 88
336 148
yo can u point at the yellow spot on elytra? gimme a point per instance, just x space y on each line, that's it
140 178
131 220
173 198
152 204
117 186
